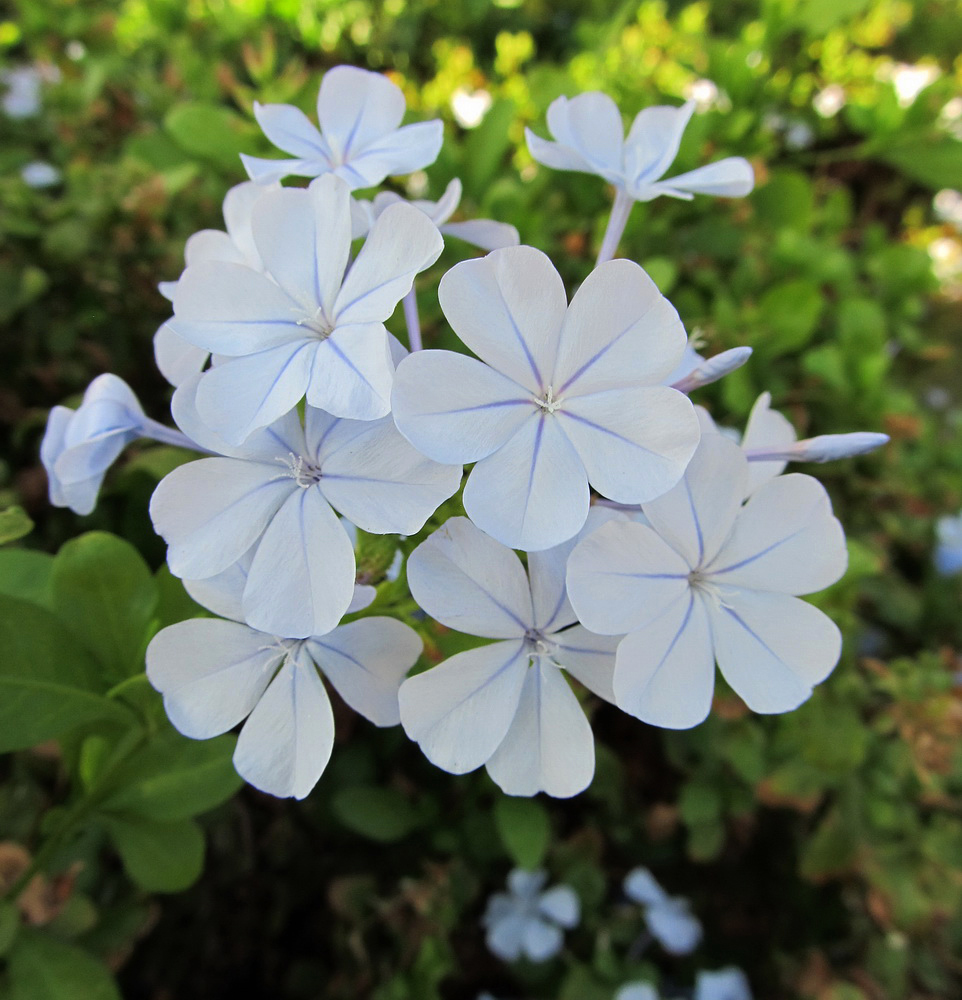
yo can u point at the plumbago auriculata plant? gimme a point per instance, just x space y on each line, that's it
657 544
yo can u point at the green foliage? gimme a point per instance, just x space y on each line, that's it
525 830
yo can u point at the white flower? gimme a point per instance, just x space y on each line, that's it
669 918
563 396
312 329
484 233
359 139
22 97
176 358
274 495
707 579
590 138
80 445
213 674
725 984
948 552
40 174
637 991
528 921
507 704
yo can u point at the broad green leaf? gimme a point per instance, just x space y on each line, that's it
700 802
487 145
174 778
44 968
377 813
48 685
159 857
25 575
208 132
786 200
524 828
935 161
788 314
104 591
9 925
14 524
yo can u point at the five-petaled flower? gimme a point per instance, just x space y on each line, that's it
563 396
669 918
359 139
707 578
529 920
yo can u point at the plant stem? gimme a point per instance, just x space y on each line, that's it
413 322
620 211
167 435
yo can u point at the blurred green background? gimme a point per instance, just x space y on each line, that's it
822 850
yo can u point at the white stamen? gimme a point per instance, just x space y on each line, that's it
547 402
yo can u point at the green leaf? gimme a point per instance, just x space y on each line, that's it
830 851
208 132
486 147
159 857
174 603
25 575
48 685
43 968
14 524
9 925
786 200
382 814
104 591
788 313
935 161
524 828
174 778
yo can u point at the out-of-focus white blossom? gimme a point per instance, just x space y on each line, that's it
529 920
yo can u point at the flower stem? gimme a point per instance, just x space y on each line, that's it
620 211
411 318
167 435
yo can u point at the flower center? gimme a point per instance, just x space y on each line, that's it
303 472
547 402
318 323
536 645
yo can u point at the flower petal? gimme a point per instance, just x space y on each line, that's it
541 940
177 358
455 408
289 129
674 926
642 887
366 661
785 539
561 904
212 511
238 212
556 155
653 141
591 125
382 483
549 746
211 244
773 648
409 148
484 233
589 658
352 373
466 580
533 492
635 443
508 308
766 430
301 581
355 107
730 178
264 172
665 672
287 741
623 576
460 711
211 673
696 516
619 332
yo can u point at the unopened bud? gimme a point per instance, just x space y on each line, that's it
713 369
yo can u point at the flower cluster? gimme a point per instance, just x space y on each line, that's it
653 546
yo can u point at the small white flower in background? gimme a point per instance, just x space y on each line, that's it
590 138
703 92
725 984
273 496
948 551
484 233
176 358
359 140
22 96
318 326
507 704
637 991
529 920
909 81
708 578
948 206
669 918
563 396
214 674
40 174
830 101
80 445
470 107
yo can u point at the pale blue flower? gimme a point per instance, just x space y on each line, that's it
637 991
484 233
948 551
529 920
590 138
309 325
725 984
40 174
359 140
274 496
563 396
214 674
22 96
80 445
506 705
708 578
669 918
